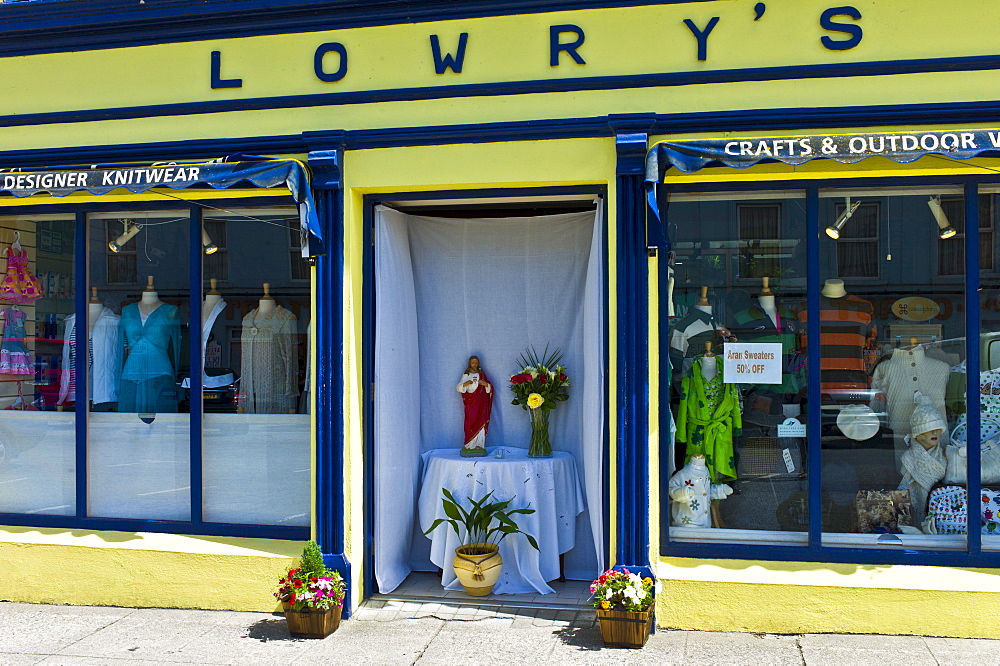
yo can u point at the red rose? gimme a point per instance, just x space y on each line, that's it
563 377
543 378
520 379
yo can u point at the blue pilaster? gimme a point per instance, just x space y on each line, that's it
632 399
326 165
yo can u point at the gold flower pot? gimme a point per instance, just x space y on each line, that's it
478 573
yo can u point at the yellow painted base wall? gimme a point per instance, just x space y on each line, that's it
80 567
716 595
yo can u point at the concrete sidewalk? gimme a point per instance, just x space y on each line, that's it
397 632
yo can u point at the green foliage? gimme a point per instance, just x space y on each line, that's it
311 562
484 522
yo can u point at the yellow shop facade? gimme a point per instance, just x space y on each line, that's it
744 226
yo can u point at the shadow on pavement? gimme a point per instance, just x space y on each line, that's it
586 638
273 629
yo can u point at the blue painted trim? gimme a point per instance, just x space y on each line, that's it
814 423
664 374
163 526
329 520
527 87
972 332
633 357
77 25
196 287
82 389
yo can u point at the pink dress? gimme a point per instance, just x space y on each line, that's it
19 285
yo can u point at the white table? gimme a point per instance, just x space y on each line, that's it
550 486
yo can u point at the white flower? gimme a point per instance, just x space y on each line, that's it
609 594
641 594
635 579
552 376
534 375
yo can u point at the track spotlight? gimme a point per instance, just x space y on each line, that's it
946 230
206 240
833 231
131 229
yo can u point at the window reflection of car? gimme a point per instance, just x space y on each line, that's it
220 391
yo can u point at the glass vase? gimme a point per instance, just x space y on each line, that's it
540 446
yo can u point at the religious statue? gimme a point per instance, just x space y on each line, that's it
477 395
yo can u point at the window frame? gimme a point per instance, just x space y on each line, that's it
813 548
196 525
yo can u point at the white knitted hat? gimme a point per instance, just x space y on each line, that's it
925 416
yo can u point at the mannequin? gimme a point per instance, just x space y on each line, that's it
709 364
94 308
923 463
691 332
692 491
267 303
906 371
150 300
767 303
270 362
709 417
150 349
211 299
104 369
847 328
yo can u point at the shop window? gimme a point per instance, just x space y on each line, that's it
38 447
858 246
735 466
951 251
140 314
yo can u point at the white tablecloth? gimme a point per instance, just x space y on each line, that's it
550 486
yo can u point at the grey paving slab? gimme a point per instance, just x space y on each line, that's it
43 629
822 656
964 650
719 648
401 642
488 641
19 659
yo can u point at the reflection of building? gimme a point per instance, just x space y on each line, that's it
570 117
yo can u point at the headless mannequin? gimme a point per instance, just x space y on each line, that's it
266 305
709 364
702 302
211 298
767 303
94 308
150 299
834 289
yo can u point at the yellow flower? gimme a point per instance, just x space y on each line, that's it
605 604
647 581
535 401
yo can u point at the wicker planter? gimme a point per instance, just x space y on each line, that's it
478 573
625 629
311 622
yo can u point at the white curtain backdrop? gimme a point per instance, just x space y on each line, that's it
449 288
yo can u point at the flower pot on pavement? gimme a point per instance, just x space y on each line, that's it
312 622
625 629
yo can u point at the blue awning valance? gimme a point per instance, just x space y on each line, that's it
220 174
902 147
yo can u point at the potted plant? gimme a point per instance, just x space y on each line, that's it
312 596
624 604
480 528
537 387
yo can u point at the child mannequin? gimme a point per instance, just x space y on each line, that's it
692 490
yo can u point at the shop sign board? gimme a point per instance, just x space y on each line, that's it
752 362
915 308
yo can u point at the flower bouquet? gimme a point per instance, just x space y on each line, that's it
538 387
312 596
624 603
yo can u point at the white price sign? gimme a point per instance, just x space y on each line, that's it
752 362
